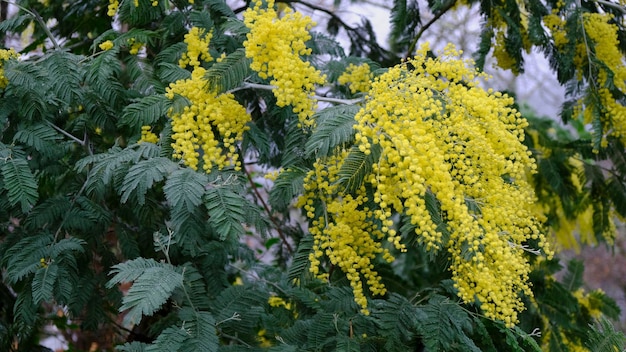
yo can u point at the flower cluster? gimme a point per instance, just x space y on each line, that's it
604 36
359 78
275 46
147 135
275 301
500 28
205 132
154 3
134 46
450 145
344 230
209 127
107 45
197 48
113 6
4 56
570 230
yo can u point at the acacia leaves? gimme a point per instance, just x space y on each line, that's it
153 285
20 183
97 220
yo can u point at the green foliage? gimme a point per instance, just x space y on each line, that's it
356 166
229 73
20 183
150 255
153 284
335 127
603 337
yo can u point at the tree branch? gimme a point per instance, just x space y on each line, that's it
343 24
66 134
39 20
612 5
317 97
425 27
267 209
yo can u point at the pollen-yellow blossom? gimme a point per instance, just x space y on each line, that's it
344 230
134 46
207 131
197 41
276 46
359 78
107 45
453 162
147 135
603 35
5 55
112 8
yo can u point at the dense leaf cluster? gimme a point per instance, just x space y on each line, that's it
102 232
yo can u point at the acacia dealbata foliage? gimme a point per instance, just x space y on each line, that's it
202 176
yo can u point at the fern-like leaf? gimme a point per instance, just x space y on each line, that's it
602 337
226 212
600 301
230 72
132 347
617 192
184 189
201 19
347 344
445 323
200 327
43 283
245 303
131 270
24 258
288 185
143 176
145 111
67 73
321 44
300 259
398 318
321 328
573 278
332 131
153 285
39 136
356 166
20 183
171 339
107 166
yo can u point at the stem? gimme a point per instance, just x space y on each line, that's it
273 284
612 5
187 294
234 338
425 27
65 133
39 20
247 85
348 28
46 29
267 209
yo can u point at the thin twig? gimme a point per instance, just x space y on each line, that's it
234 338
46 29
611 4
425 27
340 21
39 20
247 85
267 209
65 133
271 283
